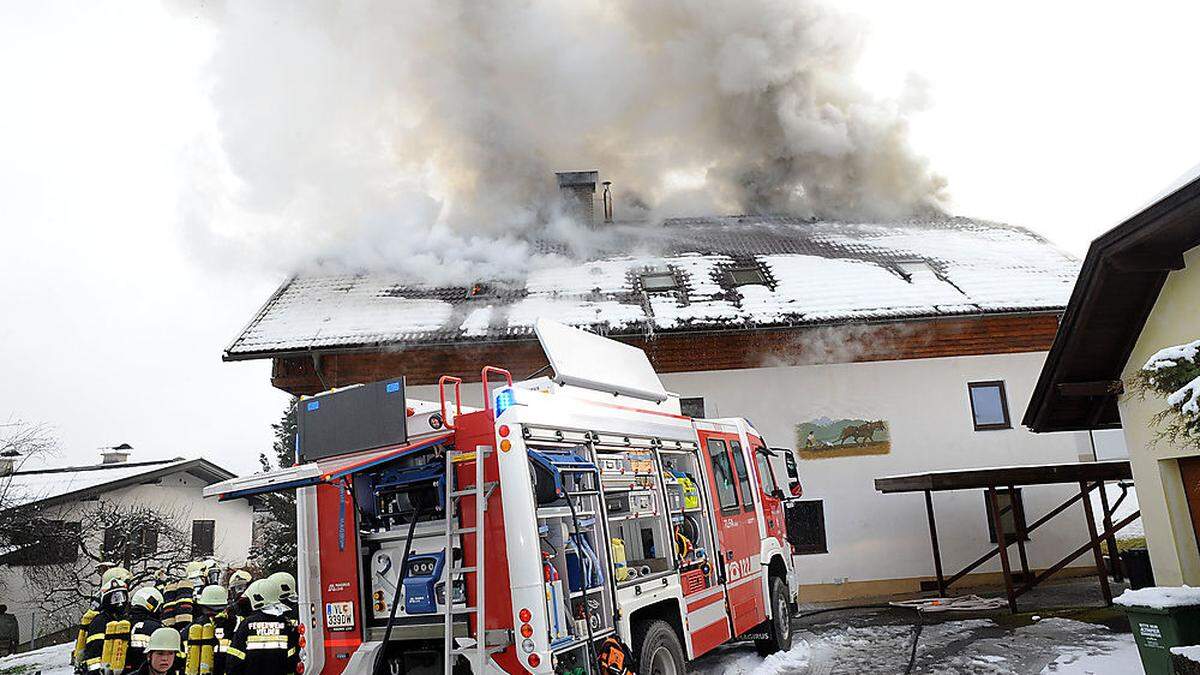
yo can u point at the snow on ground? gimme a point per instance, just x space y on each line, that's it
971 647
46 661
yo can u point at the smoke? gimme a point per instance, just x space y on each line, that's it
845 344
424 135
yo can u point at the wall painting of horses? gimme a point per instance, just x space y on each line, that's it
825 437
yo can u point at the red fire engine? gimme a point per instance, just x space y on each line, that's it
522 536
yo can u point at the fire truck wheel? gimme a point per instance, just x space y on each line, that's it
657 650
779 627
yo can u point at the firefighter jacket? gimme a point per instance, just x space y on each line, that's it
93 648
262 645
144 624
227 624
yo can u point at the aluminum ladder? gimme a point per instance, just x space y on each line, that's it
474 649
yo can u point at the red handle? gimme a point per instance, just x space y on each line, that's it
490 370
457 398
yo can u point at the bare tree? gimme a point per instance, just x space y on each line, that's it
64 576
20 442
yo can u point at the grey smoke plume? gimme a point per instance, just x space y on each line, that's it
426 132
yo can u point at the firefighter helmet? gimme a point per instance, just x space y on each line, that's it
287 586
239 580
210 570
148 598
115 581
263 593
194 572
164 640
213 596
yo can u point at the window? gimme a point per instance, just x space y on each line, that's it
1012 514
126 546
765 478
658 281
692 407
743 276
739 463
989 405
726 490
806 526
202 537
914 268
789 461
146 541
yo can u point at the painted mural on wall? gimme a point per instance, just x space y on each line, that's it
842 437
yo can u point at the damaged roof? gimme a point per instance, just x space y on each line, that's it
737 272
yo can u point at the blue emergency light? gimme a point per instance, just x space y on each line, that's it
505 400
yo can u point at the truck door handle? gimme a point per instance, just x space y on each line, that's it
729 555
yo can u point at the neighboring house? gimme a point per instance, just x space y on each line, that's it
138 514
1137 304
874 349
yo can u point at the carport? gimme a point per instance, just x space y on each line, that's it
1087 475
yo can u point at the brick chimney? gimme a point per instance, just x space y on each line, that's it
578 190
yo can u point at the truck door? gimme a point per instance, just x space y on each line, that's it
737 528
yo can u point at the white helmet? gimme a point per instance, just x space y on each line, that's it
263 593
148 598
287 586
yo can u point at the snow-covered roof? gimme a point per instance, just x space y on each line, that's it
812 272
29 487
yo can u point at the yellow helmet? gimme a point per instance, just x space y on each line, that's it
115 581
213 596
262 593
287 586
239 581
164 640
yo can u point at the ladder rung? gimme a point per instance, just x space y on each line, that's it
582 493
464 530
462 570
464 610
490 650
463 493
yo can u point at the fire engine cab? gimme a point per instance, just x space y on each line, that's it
571 518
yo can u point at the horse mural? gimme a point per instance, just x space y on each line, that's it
825 437
862 433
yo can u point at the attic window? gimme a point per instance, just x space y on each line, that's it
744 276
911 268
658 281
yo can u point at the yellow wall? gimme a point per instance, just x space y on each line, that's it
1169 535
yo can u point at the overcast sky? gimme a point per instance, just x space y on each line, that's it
1062 117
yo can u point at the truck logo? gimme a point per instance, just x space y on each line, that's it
337 586
738 569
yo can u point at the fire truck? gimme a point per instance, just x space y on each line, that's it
568 515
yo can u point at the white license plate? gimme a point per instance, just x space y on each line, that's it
339 615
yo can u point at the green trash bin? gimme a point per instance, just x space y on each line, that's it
1162 618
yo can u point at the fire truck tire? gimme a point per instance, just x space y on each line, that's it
779 627
656 649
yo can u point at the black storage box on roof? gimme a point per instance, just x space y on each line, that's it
353 419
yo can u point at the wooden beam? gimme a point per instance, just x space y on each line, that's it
1097 388
1148 261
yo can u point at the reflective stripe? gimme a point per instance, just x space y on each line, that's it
139 640
97 636
236 653
281 644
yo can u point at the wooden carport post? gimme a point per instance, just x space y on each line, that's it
1095 539
937 554
1002 544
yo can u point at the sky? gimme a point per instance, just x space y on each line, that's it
1061 117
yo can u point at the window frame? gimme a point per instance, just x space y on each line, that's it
714 457
762 462
757 271
745 487
691 400
984 384
658 274
212 535
817 548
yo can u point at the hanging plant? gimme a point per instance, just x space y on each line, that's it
1174 373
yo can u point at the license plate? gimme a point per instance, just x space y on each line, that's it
339 615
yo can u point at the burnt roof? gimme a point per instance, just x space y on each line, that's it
812 272
1118 285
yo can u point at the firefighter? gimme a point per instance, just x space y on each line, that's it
261 645
114 602
162 652
202 639
144 611
239 605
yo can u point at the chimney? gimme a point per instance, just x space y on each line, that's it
578 190
117 454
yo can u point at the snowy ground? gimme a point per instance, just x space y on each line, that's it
970 647
974 647
47 661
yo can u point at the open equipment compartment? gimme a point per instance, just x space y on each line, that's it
686 508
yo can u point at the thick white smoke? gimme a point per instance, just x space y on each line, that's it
424 134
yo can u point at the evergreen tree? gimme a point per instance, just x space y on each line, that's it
276 547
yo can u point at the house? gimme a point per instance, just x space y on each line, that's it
873 349
1130 329
61 522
